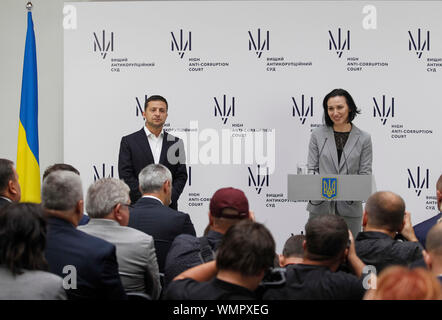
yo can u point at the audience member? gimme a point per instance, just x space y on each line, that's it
65 167
108 205
327 244
244 256
227 207
9 186
433 254
23 266
152 214
59 166
293 251
401 283
422 228
93 259
384 216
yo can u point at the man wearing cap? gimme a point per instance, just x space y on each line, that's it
227 207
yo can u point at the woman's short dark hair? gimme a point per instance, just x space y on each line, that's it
247 247
350 102
22 237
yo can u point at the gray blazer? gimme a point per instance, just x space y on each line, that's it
30 285
356 158
135 254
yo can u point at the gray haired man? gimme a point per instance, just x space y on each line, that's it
107 203
152 215
89 262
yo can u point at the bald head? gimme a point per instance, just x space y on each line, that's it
385 210
434 240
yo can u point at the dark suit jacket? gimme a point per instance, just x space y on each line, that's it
3 202
94 259
136 154
421 229
162 223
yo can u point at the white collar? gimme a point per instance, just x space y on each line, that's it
150 134
153 197
6 198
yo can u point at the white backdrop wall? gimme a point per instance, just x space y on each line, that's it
263 59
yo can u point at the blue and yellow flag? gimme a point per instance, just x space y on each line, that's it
28 167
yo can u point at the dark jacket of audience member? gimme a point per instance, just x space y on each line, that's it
152 215
227 206
383 217
244 256
326 246
89 262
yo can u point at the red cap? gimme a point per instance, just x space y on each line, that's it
229 198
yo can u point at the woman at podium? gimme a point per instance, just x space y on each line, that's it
339 147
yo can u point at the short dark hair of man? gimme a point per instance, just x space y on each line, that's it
385 210
353 110
155 98
326 237
6 173
22 237
293 247
247 247
59 166
434 239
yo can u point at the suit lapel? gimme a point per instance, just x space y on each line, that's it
143 143
165 148
353 137
331 145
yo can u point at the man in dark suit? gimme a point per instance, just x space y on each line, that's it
152 215
9 186
422 228
150 145
87 264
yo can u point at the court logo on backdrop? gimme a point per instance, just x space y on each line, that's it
259 42
103 171
383 109
223 108
419 42
181 43
103 43
139 108
258 180
418 180
302 108
339 41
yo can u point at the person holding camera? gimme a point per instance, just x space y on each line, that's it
328 244
244 256
383 220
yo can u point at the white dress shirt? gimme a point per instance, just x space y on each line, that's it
155 143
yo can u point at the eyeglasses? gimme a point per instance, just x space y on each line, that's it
130 206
